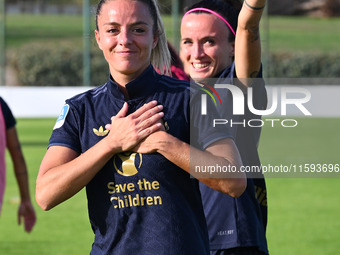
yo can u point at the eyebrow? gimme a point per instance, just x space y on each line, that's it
133 24
201 39
209 37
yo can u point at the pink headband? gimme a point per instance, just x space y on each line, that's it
212 12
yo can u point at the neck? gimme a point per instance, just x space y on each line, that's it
122 80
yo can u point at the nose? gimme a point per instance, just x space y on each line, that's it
124 37
197 51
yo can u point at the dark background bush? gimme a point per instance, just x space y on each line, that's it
304 65
39 64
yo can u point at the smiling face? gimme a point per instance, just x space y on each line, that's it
205 50
126 36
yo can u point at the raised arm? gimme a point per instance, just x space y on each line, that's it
247 41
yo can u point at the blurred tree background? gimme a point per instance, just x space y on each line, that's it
329 8
44 40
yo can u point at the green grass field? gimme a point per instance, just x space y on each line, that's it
301 34
303 212
63 230
279 34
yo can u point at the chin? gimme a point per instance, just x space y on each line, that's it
199 77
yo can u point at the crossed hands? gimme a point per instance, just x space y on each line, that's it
138 131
